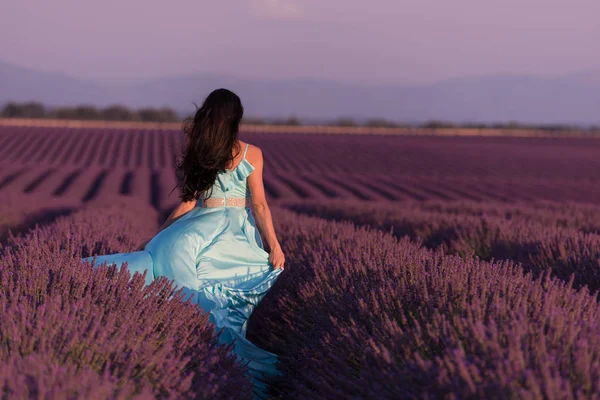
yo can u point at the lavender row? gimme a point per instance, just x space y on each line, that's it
20 212
90 163
78 331
361 314
357 314
581 216
538 240
546 158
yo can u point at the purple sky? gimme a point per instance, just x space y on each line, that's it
370 41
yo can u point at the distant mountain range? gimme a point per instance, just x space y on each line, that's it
572 98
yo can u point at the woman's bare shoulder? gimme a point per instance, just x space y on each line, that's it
254 154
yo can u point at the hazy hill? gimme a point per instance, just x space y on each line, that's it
573 98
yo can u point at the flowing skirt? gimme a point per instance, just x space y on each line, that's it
217 256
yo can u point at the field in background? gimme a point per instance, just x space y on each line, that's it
308 129
416 267
79 165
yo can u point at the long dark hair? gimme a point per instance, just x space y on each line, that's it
210 137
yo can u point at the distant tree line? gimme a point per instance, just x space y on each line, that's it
343 121
433 124
508 125
119 112
115 112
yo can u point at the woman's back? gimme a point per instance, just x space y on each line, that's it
211 247
232 183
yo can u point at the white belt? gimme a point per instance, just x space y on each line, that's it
231 202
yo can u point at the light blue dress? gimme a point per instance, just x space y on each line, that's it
216 254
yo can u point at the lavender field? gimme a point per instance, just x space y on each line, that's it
416 268
83 164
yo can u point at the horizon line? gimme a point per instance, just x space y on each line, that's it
134 80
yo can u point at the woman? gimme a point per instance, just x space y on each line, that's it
210 244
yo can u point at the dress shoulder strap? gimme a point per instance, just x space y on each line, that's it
245 150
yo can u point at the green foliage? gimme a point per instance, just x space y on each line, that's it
381 123
118 112
26 110
292 120
254 121
158 115
436 124
474 125
87 112
82 112
345 121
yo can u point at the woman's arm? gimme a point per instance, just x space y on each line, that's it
261 209
262 212
177 213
